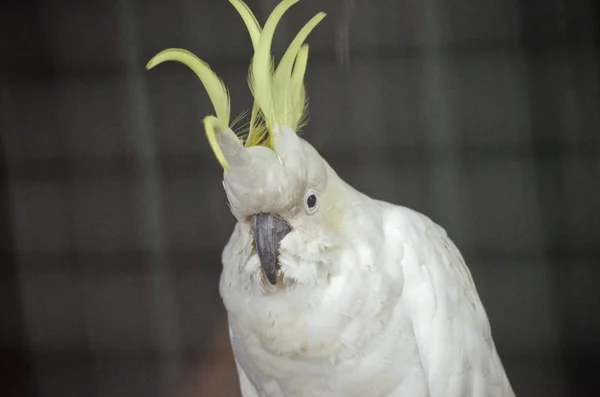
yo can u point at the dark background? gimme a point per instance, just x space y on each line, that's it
483 114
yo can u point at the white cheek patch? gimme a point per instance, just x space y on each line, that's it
299 270
296 245
303 261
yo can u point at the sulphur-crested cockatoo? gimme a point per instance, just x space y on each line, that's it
328 291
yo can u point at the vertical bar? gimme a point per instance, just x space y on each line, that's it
16 359
159 278
441 135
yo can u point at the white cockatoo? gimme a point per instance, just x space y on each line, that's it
328 291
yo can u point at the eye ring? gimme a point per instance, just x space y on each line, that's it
311 202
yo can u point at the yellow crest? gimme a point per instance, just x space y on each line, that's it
279 94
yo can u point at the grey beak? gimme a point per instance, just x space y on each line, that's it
268 231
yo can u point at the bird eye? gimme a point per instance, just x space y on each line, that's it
311 202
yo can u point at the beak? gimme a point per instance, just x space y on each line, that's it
268 231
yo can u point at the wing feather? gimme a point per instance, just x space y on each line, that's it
450 324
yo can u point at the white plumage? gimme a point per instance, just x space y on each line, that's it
329 292
373 299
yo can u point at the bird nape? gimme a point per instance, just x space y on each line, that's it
328 291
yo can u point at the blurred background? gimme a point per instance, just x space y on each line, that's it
482 114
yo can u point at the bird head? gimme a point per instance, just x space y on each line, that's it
276 183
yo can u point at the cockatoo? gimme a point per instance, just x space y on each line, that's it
328 291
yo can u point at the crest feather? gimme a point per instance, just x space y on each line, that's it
280 97
289 97
216 89
254 30
299 105
279 94
249 19
261 69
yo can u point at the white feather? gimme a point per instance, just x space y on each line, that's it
375 299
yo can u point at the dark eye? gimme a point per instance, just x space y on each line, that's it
311 201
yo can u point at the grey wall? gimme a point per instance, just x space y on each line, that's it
485 115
